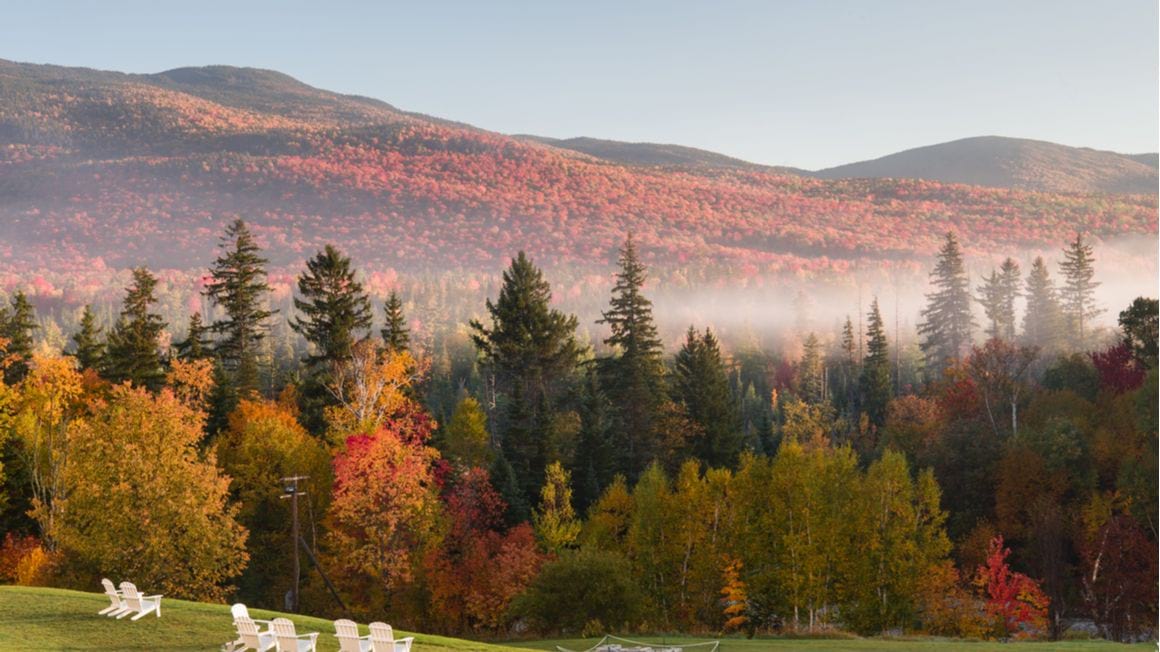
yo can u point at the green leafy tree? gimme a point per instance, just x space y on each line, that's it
946 320
1077 297
396 336
701 385
634 377
17 323
593 466
1140 323
530 351
875 381
1042 321
132 352
90 347
238 285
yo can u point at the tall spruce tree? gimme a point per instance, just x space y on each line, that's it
811 381
90 348
530 350
875 382
396 336
334 308
947 321
1042 320
17 322
238 286
701 384
194 346
846 380
132 352
634 376
1077 296
997 295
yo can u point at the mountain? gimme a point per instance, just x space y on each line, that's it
1012 163
652 154
105 170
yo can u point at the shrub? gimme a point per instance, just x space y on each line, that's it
580 588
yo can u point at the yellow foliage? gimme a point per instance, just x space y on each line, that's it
35 568
369 389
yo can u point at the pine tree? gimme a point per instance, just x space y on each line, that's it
396 337
997 296
846 380
194 346
531 351
634 376
1077 297
810 374
238 285
947 321
1042 325
132 352
875 382
90 348
594 465
16 326
702 386
334 307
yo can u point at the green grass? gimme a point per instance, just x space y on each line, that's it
56 619
917 644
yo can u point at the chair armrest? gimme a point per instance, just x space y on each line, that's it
311 635
151 597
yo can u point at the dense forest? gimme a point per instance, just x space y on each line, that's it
992 473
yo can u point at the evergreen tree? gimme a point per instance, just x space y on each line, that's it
396 337
531 351
16 326
132 352
634 376
1140 323
334 307
594 464
846 380
947 321
1077 297
194 346
503 478
702 386
875 383
238 285
811 383
997 296
1042 319
90 348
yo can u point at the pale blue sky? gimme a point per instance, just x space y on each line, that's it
806 83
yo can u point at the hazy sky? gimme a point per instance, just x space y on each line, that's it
810 83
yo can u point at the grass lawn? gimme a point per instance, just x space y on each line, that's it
55 619
857 645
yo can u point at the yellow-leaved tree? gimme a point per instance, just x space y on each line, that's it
141 501
555 520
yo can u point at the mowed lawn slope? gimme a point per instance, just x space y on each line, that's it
917 644
56 619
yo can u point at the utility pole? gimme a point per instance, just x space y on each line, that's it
290 490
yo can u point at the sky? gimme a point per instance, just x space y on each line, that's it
808 83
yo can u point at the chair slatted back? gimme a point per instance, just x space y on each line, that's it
248 631
347 633
132 597
284 633
382 638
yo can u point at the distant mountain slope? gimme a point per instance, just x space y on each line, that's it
651 153
1151 160
1012 163
104 170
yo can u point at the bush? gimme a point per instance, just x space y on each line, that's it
580 588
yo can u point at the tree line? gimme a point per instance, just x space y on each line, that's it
655 491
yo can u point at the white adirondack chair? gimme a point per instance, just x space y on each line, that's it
116 602
346 631
138 604
251 637
239 610
290 641
383 639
